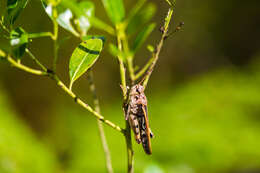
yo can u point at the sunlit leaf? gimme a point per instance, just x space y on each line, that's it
115 10
140 18
83 57
142 36
19 42
72 16
14 8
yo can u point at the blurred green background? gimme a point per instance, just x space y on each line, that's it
204 98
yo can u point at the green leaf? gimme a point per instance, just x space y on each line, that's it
140 18
115 10
72 16
14 8
83 57
19 42
142 36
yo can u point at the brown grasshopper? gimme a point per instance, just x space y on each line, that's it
136 114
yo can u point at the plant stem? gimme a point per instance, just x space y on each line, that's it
25 68
129 57
40 34
100 125
84 105
35 60
159 46
55 38
63 87
143 70
122 70
129 148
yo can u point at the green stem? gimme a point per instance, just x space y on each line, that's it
36 60
129 57
55 38
3 26
129 148
121 37
171 4
100 125
40 34
131 68
84 105
143 70
24 68
64 88
122 69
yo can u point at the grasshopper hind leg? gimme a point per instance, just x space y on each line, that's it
135 127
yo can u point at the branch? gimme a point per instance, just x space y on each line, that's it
55 38
25 68
129 148
122 69
53 76
100 125
150 66
143 70
155 55
35 60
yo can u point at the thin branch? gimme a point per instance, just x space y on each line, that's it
129 57
129 147
100 125
40 34
3 26
150 66
122 69
53 76
143 70
55 38
35 60
85 105
25 68
159 46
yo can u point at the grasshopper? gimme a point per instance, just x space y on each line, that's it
136 114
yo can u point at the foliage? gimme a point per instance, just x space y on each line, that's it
77 18
83 57
210 124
